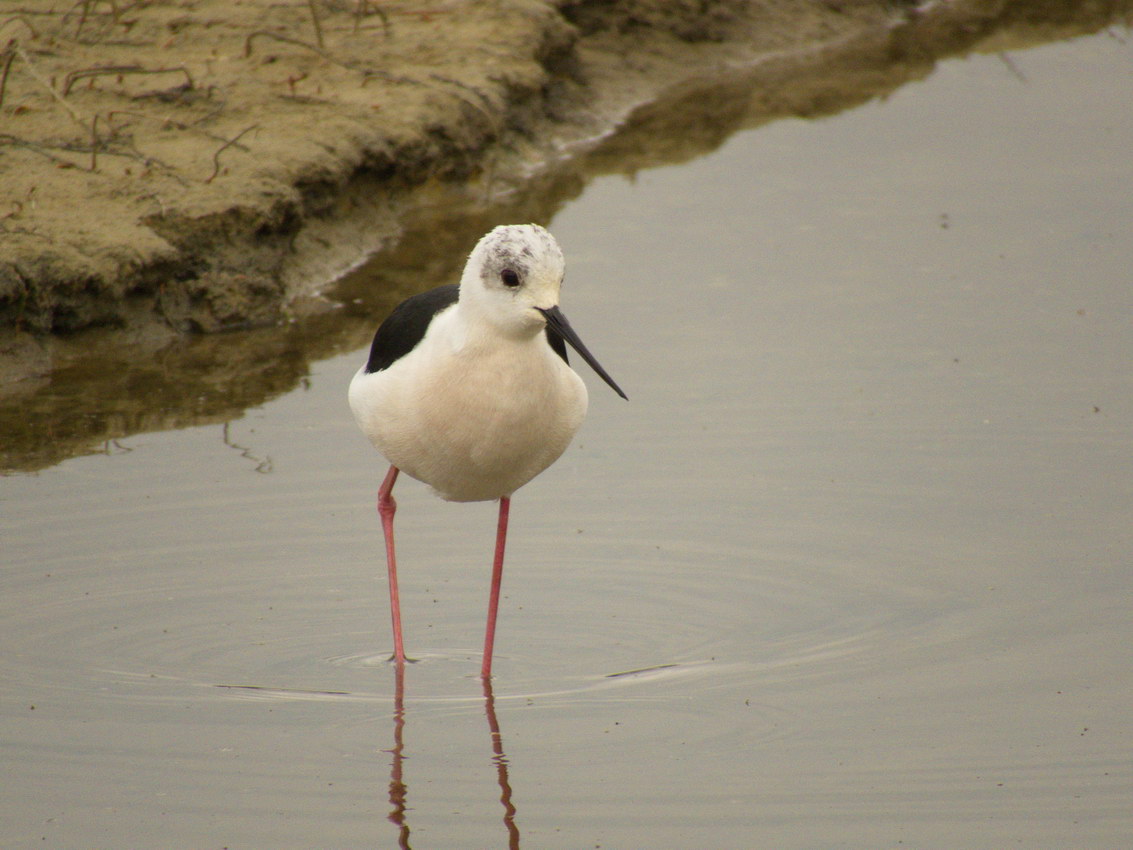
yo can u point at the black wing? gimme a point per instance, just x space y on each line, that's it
406 326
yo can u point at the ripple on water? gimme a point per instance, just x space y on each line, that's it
618 620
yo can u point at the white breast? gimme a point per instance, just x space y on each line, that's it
474 416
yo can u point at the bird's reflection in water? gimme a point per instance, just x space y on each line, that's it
501 766
399 791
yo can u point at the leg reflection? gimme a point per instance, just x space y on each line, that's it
500 761
397 787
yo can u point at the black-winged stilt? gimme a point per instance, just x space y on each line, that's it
468 389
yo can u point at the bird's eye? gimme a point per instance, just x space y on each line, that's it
510 278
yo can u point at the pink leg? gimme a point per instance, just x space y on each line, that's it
494 597
386 508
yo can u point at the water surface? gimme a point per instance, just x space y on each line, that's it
851 568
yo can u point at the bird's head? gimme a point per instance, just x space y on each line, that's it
512 282
512 275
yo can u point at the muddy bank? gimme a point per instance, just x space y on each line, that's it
177 159
228 194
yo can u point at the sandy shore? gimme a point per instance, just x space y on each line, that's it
188 159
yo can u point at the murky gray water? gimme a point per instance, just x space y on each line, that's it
865 530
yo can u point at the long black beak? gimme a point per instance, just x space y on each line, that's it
558 324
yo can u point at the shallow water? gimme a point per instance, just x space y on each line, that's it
851 568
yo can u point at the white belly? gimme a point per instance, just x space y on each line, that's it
473 424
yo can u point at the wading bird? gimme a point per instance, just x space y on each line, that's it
467 389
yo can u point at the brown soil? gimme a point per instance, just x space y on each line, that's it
171 158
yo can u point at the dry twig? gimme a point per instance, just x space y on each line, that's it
318 26
223 148
362 8
94 143
74 113
369 72
8 58
19 19
85 73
